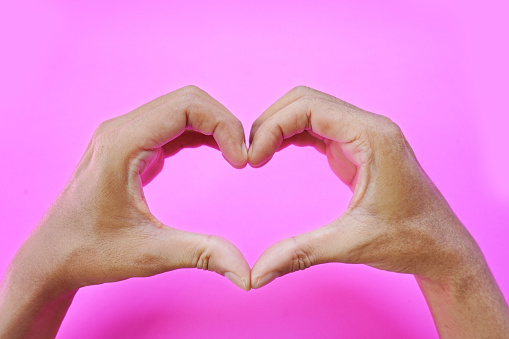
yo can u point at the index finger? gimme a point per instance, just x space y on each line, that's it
188 108
322 116
291 96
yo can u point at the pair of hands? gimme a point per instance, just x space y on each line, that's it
100 228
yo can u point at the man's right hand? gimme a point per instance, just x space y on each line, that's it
100 228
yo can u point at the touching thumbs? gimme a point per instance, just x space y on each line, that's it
179 249
296 253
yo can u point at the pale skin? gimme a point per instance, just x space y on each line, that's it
100 228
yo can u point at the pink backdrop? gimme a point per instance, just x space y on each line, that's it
438 68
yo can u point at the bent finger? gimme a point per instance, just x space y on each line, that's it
291 96
191 109
321 117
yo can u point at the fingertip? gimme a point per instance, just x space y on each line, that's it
244 150
254 160
243 283
208 252
239 159
286 256
250 153
253 131
236 165
231 263
262 280
269 266
259 164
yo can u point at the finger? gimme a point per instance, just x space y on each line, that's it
349 239
191 108
130 116
291 96
153 104
297 253
322 117
175 249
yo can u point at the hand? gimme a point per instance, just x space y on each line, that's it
100 228
397 219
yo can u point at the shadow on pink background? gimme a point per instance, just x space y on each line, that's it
437 68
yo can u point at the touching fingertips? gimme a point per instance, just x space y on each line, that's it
235 164
250 153
254 158
264 279
243 283
244 150
241 157
238 158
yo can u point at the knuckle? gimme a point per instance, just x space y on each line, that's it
236 123
191 91
302 256
220 122
388 134
104 127
106 134
204 254
301 90
308 103
202 260
190 96
392 131
105 137
385 127
309 99
392 128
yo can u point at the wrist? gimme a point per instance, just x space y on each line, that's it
467 304
33 275
29 307
462 270
452 254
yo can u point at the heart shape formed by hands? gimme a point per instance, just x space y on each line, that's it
100 229
370 155
395 220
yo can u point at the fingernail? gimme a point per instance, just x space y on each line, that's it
264 279
250 153
242 283
244 150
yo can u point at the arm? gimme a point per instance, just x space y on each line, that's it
397 219
100 228
467 306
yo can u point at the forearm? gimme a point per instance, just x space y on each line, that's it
30 307
467 306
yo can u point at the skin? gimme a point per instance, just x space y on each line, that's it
100 228
397 219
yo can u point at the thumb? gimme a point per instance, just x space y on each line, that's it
297 253
181 249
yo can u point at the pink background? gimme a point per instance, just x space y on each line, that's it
437 68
